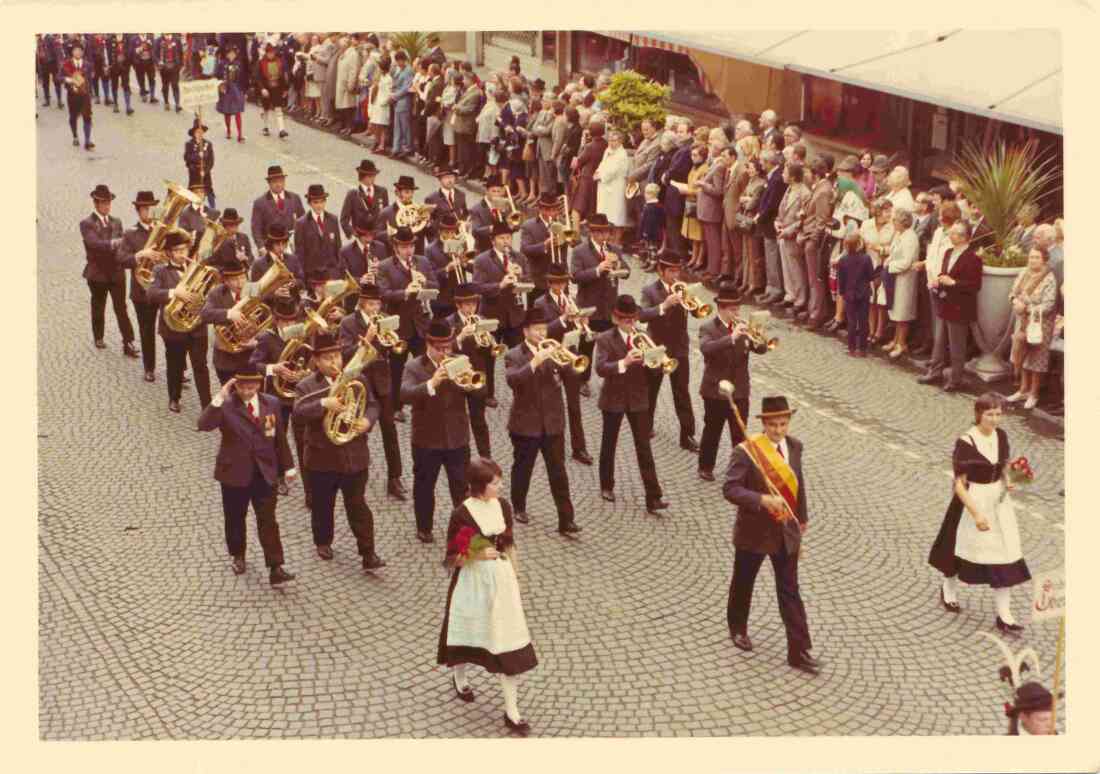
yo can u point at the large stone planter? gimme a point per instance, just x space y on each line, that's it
992 329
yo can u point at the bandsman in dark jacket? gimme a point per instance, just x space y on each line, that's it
447 200
194 217
441 260
466 299
143 55
275 242
534 241
242 245
222 307
404 190
198 155
170 62
495 274
277 205
48 60
102 237
317 235
592 263
364 201
487 212
362 255
119 63
77 73
129 251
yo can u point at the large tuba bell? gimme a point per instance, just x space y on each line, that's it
692 304
339 424
258 317
198 279
335 292
562 356
212 238
296 352
175 203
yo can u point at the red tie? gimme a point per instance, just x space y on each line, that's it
496 214
629 344
505 264
561 303
237 297
731 327
450 200
321 225
252 414
279 203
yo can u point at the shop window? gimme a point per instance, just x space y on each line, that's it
593 52
549 47
679 72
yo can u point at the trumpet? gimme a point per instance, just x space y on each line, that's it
581 317
386 335
258 316
339 423
691 303
757 325
175 203
296 353
515 217
654 356
484 338
417 282
562 356
462 373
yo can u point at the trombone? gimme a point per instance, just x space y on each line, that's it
515 217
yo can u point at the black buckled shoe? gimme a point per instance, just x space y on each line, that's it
396 489
706 475
582 457
424 536
687 443
569 529
741 640
521 517
466 694
804 662
279 576
653 506
325 552
608 495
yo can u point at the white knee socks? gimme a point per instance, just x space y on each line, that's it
951 590
1003 599
510 689
279 119
460 677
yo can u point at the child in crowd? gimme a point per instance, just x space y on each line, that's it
651 225
854 274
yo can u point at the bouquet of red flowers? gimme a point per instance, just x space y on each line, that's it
469 542
1019 472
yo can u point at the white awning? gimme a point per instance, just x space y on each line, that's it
1010 75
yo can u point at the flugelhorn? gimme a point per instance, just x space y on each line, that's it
352 393
257 315
296 352
386 333
462 373
691 303
653 355
175 203
562 356
581 317
484 338
757 325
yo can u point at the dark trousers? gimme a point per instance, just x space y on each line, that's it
639 428
510 337
681 399
235 500
674 240
466 153
123 79
475 404
146 78
76 108
857 312
389 435
397 367
100 291
44 76
525 451
717 412
572 383
353 487
426 465
587 348
147 329
170 78
175 356
298 430
746 564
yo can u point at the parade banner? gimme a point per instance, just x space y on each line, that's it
1048 595
195 94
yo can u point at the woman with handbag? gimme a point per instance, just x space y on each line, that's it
979 540
1033 297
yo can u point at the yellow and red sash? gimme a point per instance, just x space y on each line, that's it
773 467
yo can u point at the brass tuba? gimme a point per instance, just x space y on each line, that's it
335 292
654 356
257 314
175 203
562 356
199 279
697 308
213 237
296 352
352 393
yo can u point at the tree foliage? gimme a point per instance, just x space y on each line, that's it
631 98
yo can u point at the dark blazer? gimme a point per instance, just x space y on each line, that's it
191 157
854 274
357 206
548 304
243 245
532 243
133 241
725 358
446 279
215 312
101 245
317 251
498 304
442 208
392 279
269 346
960 301
481 224
166 277
378 374
537 404
263 263
192 221
756 530
246 442
668 329
678 168
593 288
353 260
481 358
628 391
774 190
318 452
440 422
265 214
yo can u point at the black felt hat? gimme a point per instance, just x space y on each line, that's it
775 406
625 306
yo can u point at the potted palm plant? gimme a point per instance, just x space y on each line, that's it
1001 182
415 44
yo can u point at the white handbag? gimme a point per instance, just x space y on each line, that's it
1035 328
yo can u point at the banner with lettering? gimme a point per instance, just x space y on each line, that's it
1048 595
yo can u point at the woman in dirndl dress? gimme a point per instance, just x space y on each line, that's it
484 623
230 96
981 547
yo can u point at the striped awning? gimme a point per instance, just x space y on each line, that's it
644 41
616 34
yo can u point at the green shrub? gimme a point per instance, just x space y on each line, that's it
632 98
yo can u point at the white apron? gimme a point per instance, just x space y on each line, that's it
1001 543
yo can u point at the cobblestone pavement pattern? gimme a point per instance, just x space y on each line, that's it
145 633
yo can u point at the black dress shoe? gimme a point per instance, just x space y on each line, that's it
521 728
521 517
689 444
706 475
325 552
585 392
951 607
396 490
804 662
424 536
491 403
655 505
582 457
174 406
100 344
569 529
466 694
608 494
76 143
279 576
150 376
373 562
129 350
1008 628
399 416
238 565
741 640
89 146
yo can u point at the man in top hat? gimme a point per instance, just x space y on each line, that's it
534 241
448 200
76 74
242 245
356 328
222 307
664 313
102 236
593 262
194 217
495 274
275 247
198 155
130 250
1032 712
769 525
363 254
387 217
277 205
364 201
440 427
273 81
253 456
317 235
536 421
336 467
487 212
169 62
266 356
556 305
179 346
445 274
466 300
725 345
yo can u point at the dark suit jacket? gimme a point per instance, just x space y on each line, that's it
481 223
537 404
191 157
532 238
192 221
481 358
99 252
628 391
756 530
678 168
854 274
245 442
393 279
768 208
498 304
318 452
263 263
961 301
317 251
446 279
593 288
133 241
357 206
243 244
353 260
352 328
166 277
460 210
265 214
724 358
439 422
269 346
668 329
215 312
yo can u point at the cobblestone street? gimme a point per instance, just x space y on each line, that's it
145 633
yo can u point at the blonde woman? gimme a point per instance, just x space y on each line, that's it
878 237
1033 297
692 229
899 195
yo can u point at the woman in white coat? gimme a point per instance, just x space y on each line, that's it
904 252
610 180
322 59
378 111
347 88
